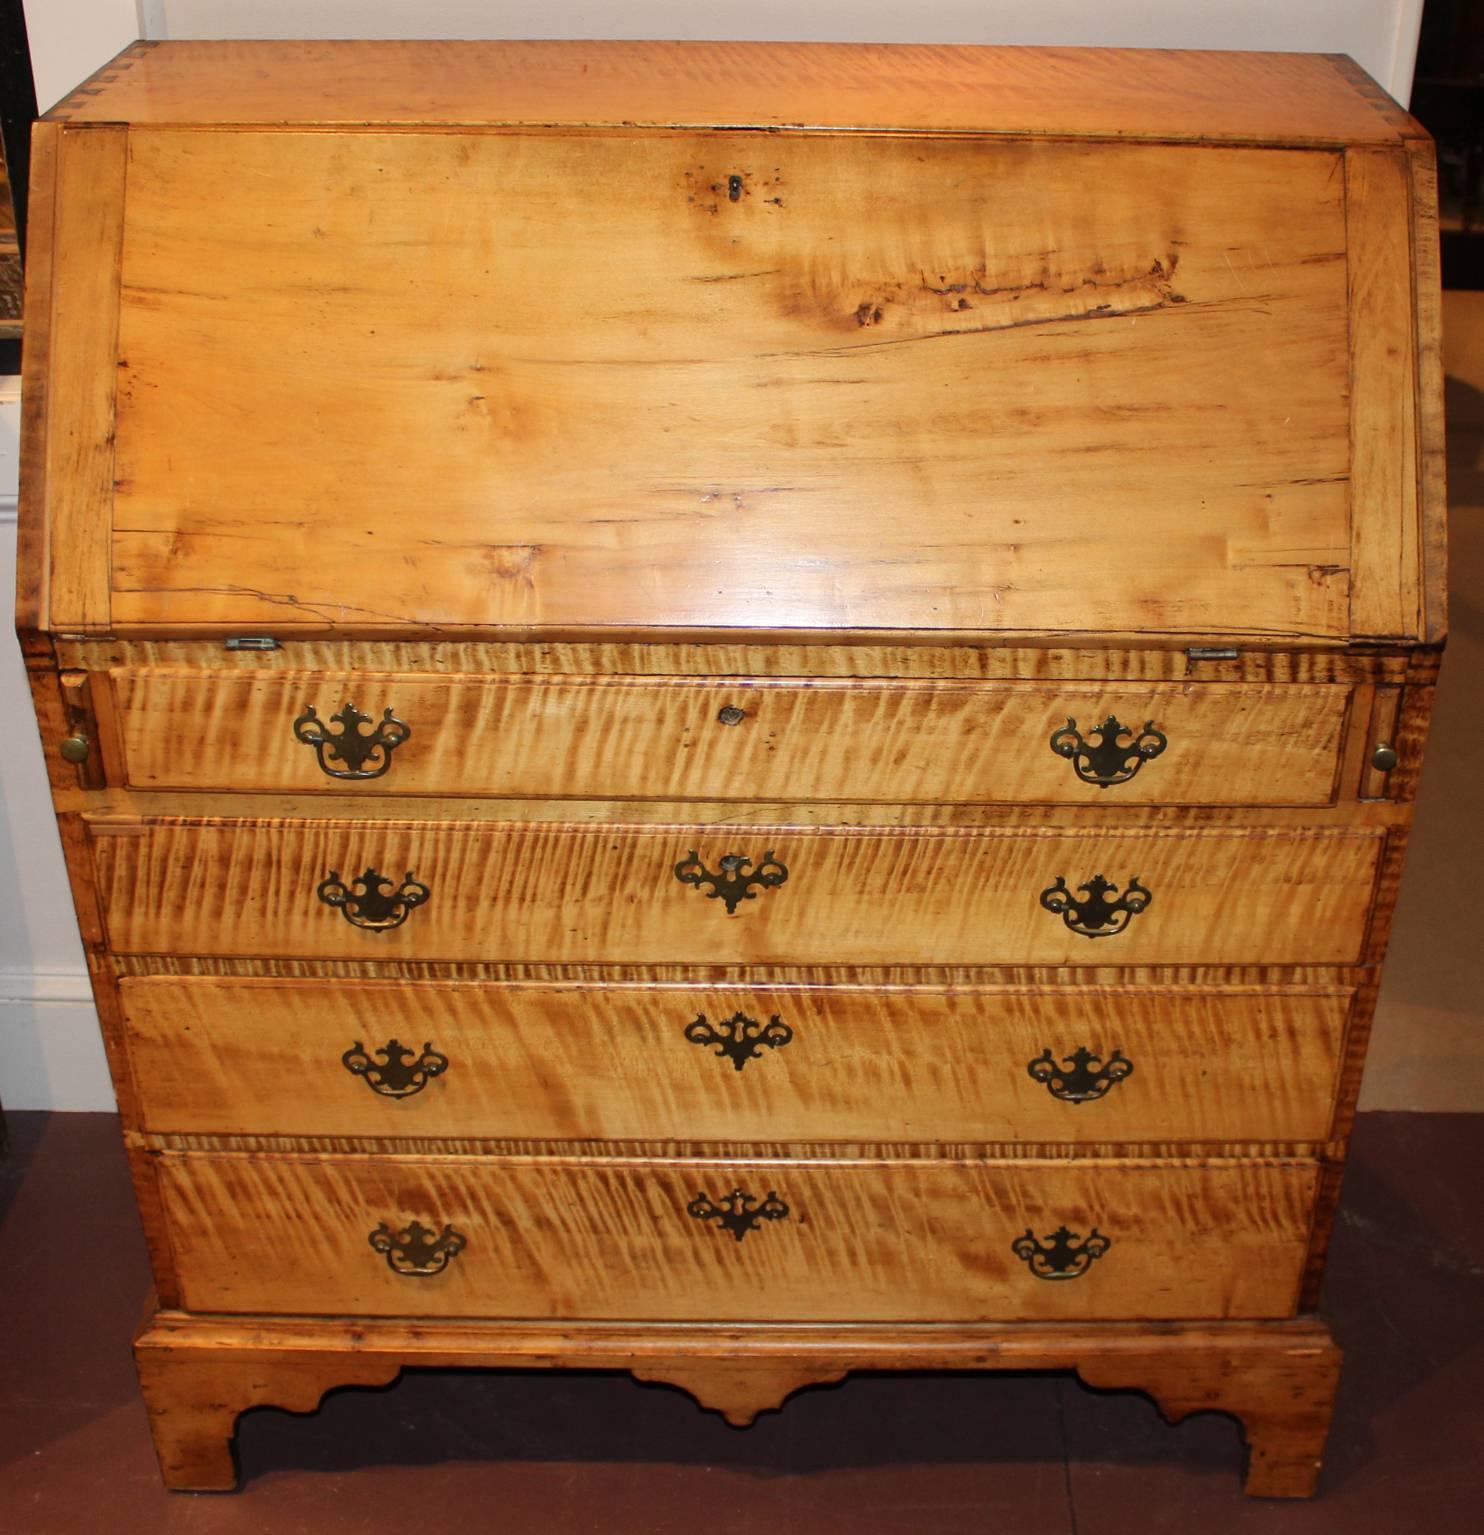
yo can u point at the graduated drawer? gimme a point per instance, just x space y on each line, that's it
217 1055
537 892
711 738
912 1241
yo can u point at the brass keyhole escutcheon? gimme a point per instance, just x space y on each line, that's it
731 715
1384 758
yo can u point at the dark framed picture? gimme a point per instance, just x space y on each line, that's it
17 112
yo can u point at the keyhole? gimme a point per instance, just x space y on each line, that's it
734 188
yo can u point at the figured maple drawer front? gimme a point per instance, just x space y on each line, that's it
224 1055
736 1241
708 738
708 895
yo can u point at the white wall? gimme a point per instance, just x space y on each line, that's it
1381 34
50 1056
71 38
50 1052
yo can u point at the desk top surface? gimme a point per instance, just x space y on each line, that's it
1096 92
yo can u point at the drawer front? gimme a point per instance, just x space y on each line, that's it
543 893
710 738
681 1062
886 1241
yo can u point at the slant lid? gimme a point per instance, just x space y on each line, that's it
382 379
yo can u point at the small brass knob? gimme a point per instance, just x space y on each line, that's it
731 715
1384 758
74 749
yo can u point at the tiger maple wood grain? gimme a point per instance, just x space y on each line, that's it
1106 974
627 737
869 1241
726 1151
915 1064
957 659
546 385
117 811
868 895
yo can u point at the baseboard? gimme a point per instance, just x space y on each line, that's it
22 986
51 1053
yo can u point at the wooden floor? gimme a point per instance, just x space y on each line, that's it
539 1455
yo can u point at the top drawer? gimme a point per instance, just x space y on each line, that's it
744 739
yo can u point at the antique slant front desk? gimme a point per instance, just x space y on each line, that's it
735 712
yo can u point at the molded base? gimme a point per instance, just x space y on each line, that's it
198 1373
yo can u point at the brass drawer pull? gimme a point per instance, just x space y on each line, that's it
730 714
1061 1255
1118 755
737 875
1384 759
415 1251
370 901
398 1074
1082 1076
738 1212
361 753
739 1037
1098 914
